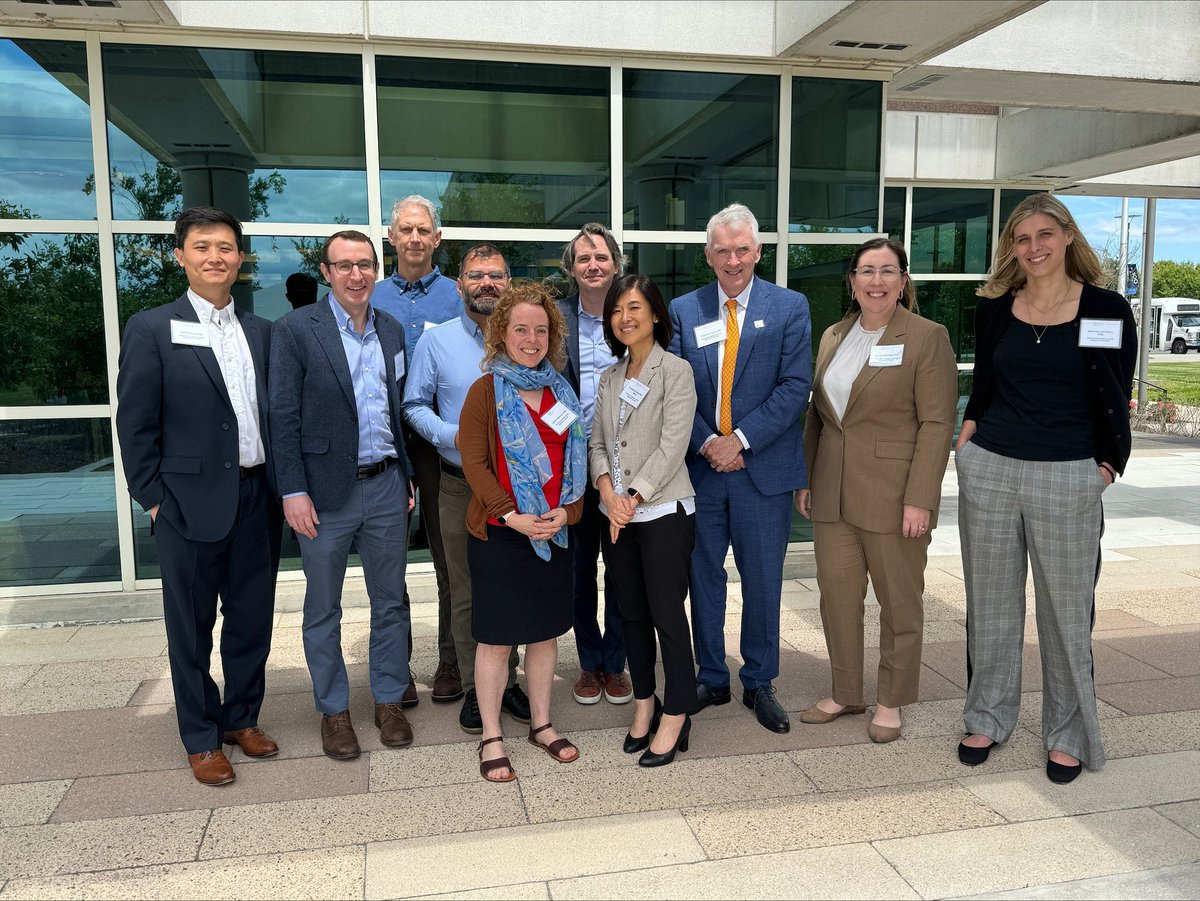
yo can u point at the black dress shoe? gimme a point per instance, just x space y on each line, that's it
711 696
633 745
515 703
766 708
468 718
1061 772
969 756
681 745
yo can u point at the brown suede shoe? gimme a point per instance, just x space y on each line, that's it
337 737
253 742
211 767
447 683
410 698
394 729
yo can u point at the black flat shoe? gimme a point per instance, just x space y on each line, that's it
681 745
1061 772
633 745
973 756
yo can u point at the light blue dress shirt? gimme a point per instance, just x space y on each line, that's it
444 367
595 356
431 298
364 354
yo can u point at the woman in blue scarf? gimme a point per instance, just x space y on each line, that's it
525 459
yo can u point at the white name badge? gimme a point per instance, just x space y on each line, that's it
1100 333
888 355
635 392
559 417
710 333
193 333
758 323
399 365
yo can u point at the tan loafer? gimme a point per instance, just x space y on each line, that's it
817 716
882 734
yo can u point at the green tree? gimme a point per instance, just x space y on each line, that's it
1172 279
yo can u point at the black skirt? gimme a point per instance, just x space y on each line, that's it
516 596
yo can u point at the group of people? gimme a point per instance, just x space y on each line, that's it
540 433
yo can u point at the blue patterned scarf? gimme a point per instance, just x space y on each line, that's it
525 452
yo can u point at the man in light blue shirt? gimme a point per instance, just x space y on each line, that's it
444 367
343 474
420 297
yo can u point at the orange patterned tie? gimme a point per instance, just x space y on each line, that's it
728 365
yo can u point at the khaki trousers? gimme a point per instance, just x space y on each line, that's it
845 556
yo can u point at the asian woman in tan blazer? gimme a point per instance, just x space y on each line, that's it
876 442
645 408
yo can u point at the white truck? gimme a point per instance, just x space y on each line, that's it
1174 323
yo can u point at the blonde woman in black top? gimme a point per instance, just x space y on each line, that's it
1046 430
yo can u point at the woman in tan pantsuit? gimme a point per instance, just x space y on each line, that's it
876 442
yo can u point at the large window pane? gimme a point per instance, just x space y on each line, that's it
680 268
525 259
893 213
496 143
696 142
51 320
951 230
58 508
148 276
45 131
953 305
266 135
1009 198
835 155
818 271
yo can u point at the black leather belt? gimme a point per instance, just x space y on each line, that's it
451 470
248 471
374 469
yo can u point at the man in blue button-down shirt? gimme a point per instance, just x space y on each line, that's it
420 297
344 477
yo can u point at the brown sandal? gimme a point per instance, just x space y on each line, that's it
553 749
487 767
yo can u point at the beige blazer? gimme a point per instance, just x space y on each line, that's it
893 443
656 433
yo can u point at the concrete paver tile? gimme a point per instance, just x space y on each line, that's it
527 854
1156 696
1160 884
85 672
110 632
1186 814
15 638
36 698
929 718
1023 854
69 651
812 873
30 803
327 873
568 795
354 819
1124 783
100 844
1170 649
257 782
528 891
1154 733
16 676
835 818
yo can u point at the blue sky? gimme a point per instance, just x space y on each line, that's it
1176 233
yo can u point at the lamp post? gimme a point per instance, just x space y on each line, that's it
1123 254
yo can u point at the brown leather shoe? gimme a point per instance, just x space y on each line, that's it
882 734
815 714
337 737
447 683
410 699
394 729
253 742
211 767
617 689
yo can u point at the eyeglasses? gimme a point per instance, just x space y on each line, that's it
869 272
496 275
346 266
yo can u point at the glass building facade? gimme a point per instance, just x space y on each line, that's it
105 138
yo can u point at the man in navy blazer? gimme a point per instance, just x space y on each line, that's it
342 470
192 425
746 455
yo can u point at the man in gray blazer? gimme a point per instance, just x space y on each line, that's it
344 477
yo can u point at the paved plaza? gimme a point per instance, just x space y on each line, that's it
97 801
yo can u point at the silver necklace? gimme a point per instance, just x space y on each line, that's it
1038 334
1058 303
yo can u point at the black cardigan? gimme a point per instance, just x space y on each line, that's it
1109 371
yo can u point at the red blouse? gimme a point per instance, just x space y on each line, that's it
556 448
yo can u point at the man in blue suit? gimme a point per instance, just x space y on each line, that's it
344 476
750 346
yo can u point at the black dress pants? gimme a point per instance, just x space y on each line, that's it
648 568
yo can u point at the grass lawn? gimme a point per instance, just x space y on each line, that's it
1181 382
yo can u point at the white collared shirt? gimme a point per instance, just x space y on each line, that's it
743 301
229 346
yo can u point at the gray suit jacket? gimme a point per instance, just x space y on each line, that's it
315 434
654 438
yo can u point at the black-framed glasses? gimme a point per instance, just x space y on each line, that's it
476 275
367 267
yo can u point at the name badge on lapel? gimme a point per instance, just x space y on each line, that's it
888 355
399 365
710 333
1100 333
559 417
193 333
634 392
